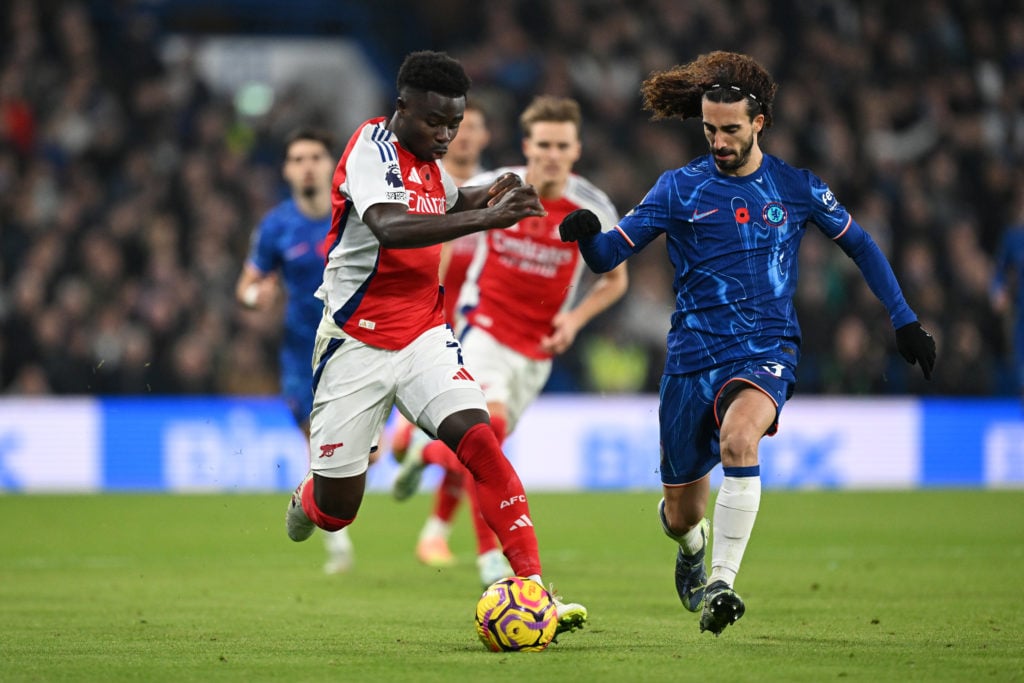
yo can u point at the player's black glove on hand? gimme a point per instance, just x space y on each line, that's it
916 346
579 224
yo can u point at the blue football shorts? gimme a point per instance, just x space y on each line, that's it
689 413
297 391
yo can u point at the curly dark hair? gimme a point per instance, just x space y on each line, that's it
430 71
677 92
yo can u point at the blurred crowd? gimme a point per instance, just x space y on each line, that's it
129 189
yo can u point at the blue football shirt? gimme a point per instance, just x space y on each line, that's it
733 242
1009 267
291 243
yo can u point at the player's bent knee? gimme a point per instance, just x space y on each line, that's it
339 498
738 450
454 427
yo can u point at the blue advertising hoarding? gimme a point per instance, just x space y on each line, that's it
563 443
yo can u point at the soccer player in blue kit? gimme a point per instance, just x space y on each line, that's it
733 220
289 242
1009 275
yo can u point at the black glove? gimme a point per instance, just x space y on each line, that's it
916 346
579 224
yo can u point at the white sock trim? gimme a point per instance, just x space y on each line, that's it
693 540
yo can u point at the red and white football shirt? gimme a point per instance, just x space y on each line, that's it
383 297
462 251
522 276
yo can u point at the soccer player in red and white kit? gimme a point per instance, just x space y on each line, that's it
462 163
520 306
383 341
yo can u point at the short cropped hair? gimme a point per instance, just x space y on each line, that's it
429 71
550 108
309 133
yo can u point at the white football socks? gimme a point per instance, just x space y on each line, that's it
435 527
338 542
735 512
693 540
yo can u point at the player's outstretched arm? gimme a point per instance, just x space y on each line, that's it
602 251
916 346
396 228
913 342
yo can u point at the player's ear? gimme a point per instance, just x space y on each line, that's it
758 123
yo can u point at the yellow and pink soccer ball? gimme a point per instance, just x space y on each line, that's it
516 615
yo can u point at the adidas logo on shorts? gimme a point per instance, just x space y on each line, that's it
463 373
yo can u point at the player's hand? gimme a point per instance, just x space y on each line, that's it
515 204
262 293
503 183
916 346
564 329
579 224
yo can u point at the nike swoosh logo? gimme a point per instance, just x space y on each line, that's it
704 214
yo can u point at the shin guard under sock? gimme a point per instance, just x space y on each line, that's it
735 511
501 497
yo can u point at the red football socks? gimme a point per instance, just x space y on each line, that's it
437 453
485 538
449 494
501 497
320 518
500 428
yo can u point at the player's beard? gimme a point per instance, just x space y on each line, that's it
737 161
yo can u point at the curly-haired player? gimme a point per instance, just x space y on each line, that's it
733 220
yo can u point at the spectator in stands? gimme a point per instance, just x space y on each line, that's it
101 135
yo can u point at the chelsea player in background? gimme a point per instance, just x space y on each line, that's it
288 243
1008 288
733 221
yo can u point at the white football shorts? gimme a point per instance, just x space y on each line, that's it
356 386
506 376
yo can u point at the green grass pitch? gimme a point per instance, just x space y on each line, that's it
848 586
